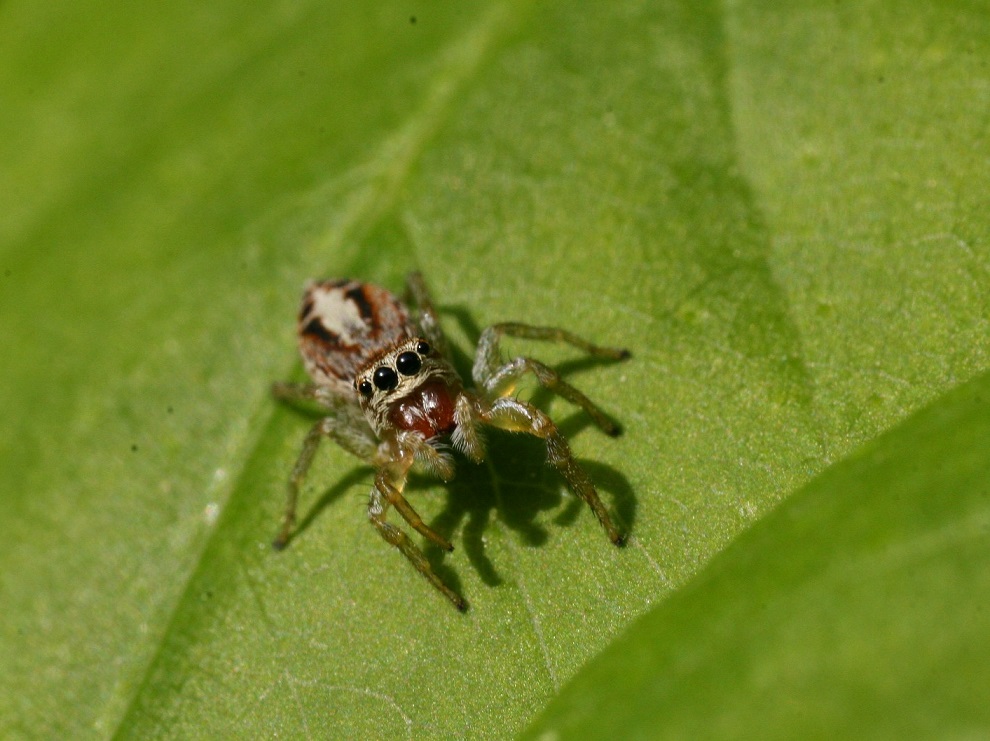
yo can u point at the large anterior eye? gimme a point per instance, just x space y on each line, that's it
386 378
408 363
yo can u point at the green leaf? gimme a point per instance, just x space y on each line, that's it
856 609
780 212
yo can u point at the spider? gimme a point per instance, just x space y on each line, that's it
392 398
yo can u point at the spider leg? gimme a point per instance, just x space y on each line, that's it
518 416
429 319
301 393
346 427
500 379
349 429
394 497
467 437
438 462
387 492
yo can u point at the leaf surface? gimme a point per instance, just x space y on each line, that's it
856 609
778 212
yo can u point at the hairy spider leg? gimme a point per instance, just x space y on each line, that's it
351 431
511 414
346 426
499 379
428 319
389 482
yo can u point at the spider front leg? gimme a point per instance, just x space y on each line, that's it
347 428
500 379
429 319
518 416
387 492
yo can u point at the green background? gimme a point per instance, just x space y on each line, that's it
781 212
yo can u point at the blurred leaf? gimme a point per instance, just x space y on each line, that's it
856 609
779 211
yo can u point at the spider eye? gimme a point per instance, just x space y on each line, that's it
423 347
365 388
408 363
385 378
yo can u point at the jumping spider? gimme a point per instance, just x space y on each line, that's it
393 399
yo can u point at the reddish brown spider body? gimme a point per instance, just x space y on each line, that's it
429 410
394 399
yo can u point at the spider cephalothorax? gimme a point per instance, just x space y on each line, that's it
393 398
410 387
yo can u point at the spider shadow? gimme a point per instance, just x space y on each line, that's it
515 486
360 474
515 481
